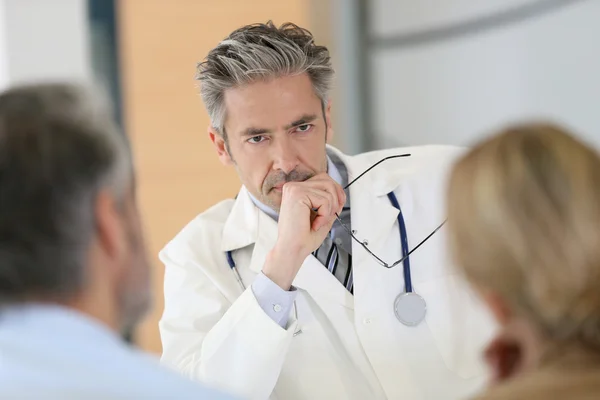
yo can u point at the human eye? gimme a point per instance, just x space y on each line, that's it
256 139
304 128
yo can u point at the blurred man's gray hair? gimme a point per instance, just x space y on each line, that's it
59 147
260 52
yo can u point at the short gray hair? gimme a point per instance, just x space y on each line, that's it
259 52
59 147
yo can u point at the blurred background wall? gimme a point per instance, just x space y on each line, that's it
409 72
446 71
44 40
4 79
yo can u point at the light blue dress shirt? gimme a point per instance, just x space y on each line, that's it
51 352
276 302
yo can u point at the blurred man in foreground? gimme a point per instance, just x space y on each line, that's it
73 267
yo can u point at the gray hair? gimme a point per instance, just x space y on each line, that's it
59 147
259 52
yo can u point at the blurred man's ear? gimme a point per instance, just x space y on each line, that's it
219 142
111 237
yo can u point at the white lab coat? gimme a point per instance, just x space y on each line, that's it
336 346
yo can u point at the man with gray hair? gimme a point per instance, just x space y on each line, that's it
326 277
73 265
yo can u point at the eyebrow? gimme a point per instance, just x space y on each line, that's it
255 131
303 120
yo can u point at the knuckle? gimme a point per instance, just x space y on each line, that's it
290 188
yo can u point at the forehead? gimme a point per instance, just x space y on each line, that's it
270 104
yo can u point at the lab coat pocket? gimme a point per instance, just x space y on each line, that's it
459 325
318 359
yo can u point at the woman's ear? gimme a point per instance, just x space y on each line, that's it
496 304
220 145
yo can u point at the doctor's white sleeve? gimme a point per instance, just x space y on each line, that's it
232 346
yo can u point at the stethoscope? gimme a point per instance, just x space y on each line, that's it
410 308
231 262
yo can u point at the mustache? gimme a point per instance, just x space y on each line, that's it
279 177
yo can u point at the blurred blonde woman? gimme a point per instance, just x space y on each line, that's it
524 223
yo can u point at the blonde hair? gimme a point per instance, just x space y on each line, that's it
524 222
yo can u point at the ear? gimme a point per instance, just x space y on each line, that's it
330 132
110 230
499 308
219 143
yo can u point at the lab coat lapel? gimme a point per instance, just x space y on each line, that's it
314 278
372 214
241 227
247 225
266 236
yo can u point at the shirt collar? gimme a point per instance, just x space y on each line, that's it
332 171
264 208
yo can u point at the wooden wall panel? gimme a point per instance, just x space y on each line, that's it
179 174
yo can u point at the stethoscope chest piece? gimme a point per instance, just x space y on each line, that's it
410 308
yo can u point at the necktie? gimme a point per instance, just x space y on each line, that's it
335 253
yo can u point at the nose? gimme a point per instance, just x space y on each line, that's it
285 157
